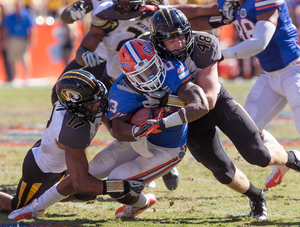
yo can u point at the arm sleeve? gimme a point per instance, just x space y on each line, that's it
262 34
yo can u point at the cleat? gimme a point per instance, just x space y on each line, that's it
296 164
259 207
126 211
32 210
171 179
152 184
276 176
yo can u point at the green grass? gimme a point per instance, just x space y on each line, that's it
199 199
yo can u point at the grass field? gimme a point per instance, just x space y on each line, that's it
199 199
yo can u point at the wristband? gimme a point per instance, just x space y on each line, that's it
113 186
215 21
174 119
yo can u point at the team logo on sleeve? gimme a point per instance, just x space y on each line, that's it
71 95
243 13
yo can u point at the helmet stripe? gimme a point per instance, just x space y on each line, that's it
86 79
167 15
133 53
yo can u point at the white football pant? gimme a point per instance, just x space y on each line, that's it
119 161
272 92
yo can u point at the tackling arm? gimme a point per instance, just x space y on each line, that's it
196 107
207 79
80 181
196 102
89 43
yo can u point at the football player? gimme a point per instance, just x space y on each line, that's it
268 34
73 123
113 23
200 52
151 149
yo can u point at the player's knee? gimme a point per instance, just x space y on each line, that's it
224 177
84 197
260 157
224 174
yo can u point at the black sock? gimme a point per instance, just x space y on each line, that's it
291 160
253 193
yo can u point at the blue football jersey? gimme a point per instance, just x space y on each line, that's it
283 47
124 100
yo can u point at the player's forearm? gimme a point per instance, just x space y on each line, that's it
192 10
196 102
262 34
89 43
200 23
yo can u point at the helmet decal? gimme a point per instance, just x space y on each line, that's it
142 66
78 90
71 95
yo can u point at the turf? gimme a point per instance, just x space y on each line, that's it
199 199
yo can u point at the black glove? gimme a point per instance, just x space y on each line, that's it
133 187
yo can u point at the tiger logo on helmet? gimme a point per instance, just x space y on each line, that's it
142 66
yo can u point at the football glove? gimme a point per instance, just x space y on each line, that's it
150 128
78 10
156 99
227 11
148 10
133 187
91 59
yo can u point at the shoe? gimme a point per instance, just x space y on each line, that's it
276 176
152 184
126 211
171 179
32 210
296 164
259 207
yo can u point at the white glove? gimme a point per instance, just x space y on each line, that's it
77 10
91 59
156 99
228 11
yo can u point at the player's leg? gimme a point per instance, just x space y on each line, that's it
265 104
145 170
33 184
205 145
100 166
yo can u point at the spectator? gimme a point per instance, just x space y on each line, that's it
17 34
2 46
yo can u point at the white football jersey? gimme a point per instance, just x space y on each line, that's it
125 30
65 128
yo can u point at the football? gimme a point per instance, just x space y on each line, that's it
142 115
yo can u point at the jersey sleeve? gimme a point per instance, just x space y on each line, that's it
177 74
75 132
267 5
206 49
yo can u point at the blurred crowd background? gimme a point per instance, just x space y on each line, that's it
35 45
